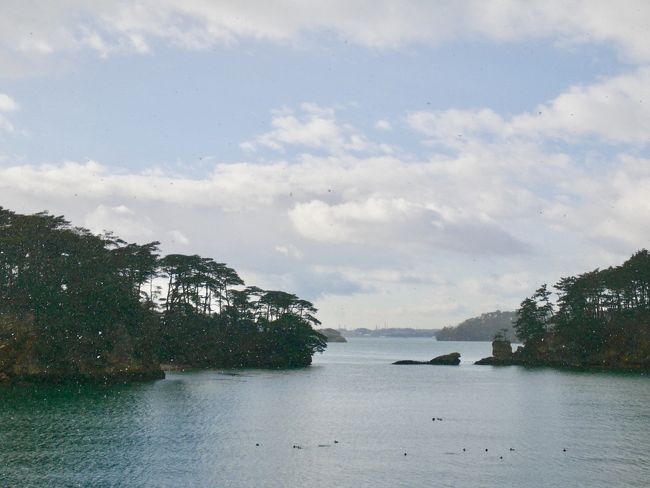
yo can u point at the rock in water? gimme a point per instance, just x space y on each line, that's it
451 359
502 354
501 349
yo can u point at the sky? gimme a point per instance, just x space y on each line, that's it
400 164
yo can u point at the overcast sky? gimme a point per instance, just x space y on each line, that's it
408 163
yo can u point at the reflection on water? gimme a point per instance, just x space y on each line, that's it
352 414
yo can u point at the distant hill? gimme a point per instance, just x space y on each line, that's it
332 335
482 328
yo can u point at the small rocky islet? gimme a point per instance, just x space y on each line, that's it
451 359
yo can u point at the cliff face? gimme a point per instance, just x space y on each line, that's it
27 354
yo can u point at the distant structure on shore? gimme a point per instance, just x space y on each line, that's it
481 328
389 332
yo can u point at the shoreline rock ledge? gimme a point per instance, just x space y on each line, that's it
502 355
451 359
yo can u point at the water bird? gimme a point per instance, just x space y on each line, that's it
257 444
486 449
464 449
563 450
405 454
512 449
336 442
500 457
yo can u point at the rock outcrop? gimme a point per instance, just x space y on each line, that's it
451 359
502 349
407 362
502 354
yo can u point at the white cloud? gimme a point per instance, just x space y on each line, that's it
383 125
357 222
119 219
178 237
455 127
615 207
614 110
290 250
40 29
315 131
316 128
407 225
7 104
6 125
481 224
411 236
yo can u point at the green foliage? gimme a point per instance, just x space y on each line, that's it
80 290
534 316
85 293
594 309
290 341
210 319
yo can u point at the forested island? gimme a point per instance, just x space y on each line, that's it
80 306
482 328
600 319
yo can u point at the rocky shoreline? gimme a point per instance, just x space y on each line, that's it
545 355
27 355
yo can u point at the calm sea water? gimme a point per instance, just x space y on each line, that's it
200 429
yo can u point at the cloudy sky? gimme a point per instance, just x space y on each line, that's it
407 163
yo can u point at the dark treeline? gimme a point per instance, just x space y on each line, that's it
73 303
601 317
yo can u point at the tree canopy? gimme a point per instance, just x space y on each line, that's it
594 311
83 293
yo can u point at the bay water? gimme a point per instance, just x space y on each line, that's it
352 419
